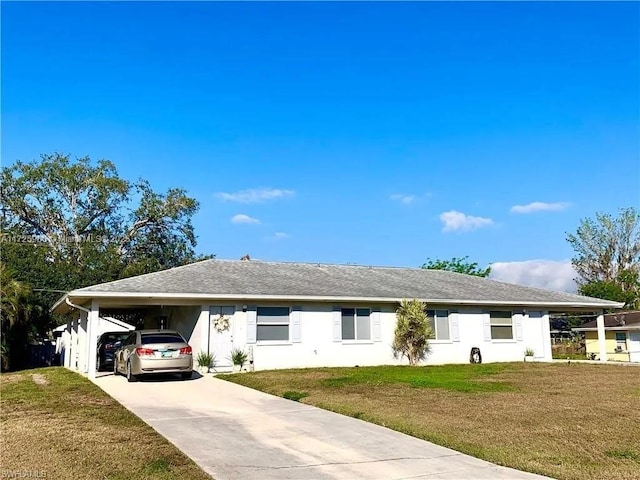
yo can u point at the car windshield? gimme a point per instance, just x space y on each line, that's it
115 337
161 338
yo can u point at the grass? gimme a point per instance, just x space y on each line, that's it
293 395
570 356
567 421
56 422
450 377
568 351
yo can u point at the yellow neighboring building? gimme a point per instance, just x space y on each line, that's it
622 334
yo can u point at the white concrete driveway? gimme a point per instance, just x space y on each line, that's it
234 432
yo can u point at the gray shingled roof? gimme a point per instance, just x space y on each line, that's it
256 279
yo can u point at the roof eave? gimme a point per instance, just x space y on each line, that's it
608 329
60 301
61 306
328 298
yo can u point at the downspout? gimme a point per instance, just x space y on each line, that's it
73 305
208 331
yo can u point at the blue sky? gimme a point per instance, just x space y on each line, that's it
373 133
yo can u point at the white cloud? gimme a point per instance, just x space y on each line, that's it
540 207
457 221
242 218
277 237
406 199
548 274
255 195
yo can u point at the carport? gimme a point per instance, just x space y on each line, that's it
89 319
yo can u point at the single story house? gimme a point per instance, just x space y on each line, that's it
289 315
622 335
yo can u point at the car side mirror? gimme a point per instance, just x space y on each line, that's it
117 344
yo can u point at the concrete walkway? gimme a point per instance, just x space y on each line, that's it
234 432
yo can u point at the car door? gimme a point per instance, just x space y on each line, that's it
125 350
130 347
99 352
118 354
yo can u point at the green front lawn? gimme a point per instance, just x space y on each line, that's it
58 424
568 421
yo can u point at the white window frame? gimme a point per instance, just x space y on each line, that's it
287 324
216 310
620 343
355 325
512 325
434 317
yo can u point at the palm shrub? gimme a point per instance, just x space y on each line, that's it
16 308
239 357
411 337
206 359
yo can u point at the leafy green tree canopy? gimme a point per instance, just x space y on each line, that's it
609 291
607 256
82 209
458 265
15 311
71 223
606 246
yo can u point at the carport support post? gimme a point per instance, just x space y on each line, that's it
602 339
75 342
93 321
67 344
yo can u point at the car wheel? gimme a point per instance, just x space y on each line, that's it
186 375
130 376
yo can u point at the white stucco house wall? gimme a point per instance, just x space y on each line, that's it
293 315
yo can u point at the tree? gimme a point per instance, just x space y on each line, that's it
79 210
459 265
14 312
607 256
411 337
71 223
12 297
626 289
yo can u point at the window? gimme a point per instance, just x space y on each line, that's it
621 341
114 337
356 324
218 312
225 311
501 325
161 338
272 324
439 323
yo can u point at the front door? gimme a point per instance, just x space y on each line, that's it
634 346
221 335
534 334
